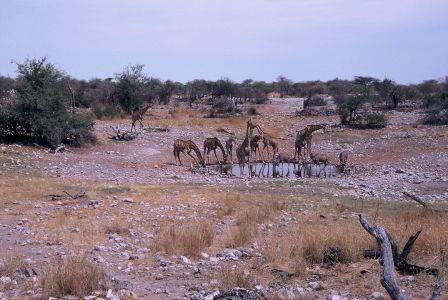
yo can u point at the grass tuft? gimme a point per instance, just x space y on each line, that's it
186 239
75 276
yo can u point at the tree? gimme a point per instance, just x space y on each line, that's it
6 86
264 86
131 89
283 86
389 91
39 112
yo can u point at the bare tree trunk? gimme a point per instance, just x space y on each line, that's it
388 280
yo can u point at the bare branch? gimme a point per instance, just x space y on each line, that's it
388 280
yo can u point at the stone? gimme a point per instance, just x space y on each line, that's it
184 260
93 203
377 296
128 200
315 285
333 297
5 280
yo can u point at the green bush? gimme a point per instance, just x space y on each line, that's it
39 112
106 111
375 120
436 117
436 109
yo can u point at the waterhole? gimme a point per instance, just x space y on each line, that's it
259 169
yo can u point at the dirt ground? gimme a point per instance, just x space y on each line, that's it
134 192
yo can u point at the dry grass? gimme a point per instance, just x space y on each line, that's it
117 227
73 276
186 239
10 263
230 277
229 205
245 229
310 241
430 247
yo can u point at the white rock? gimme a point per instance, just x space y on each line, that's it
377 296
184 260
128 200
5 280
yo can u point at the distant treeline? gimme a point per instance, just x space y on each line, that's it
39 86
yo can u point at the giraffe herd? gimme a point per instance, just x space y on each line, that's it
251 146
255 145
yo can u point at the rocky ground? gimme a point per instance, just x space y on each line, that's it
134 191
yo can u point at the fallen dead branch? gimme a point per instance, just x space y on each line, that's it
422 202
390 259
79 194
223 130
122 135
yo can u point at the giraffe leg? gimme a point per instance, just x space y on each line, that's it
214 151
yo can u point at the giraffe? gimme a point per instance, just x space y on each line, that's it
343 158
268 141
137 116
229 148
249 131
212 144
309 135
318 159
256 145
300 144
182 146
281 158
241 153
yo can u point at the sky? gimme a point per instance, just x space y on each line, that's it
405 40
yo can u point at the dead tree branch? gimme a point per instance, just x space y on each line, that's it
388 280
423 203
416 198
122 135
391 260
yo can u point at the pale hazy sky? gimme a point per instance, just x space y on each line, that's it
406 40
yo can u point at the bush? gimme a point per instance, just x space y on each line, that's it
314 101
436 109
39 112
436 117
106 111
375 120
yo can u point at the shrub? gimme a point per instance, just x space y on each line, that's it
106 111
436 109
39 112
375 120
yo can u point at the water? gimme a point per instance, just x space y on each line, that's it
259 169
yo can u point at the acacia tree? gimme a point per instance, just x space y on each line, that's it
39 112
131 88
283 86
